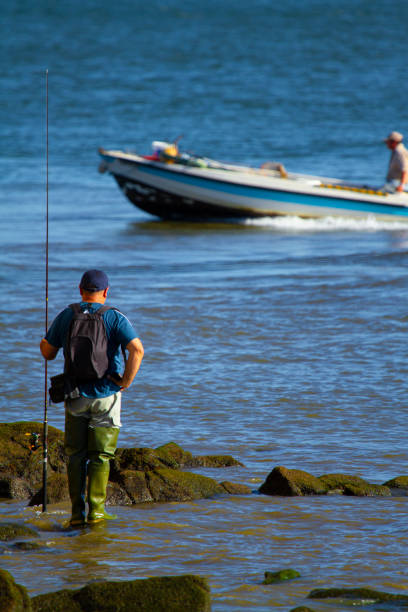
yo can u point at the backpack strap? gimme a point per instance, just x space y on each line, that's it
76 308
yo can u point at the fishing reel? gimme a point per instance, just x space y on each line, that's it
34 442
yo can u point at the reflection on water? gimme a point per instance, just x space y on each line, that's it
232 541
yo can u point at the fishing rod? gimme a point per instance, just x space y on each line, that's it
45 430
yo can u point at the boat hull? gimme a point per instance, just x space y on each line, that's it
173 191
167 205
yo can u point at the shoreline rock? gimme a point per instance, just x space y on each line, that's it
138 475
188 592
287 482
358 595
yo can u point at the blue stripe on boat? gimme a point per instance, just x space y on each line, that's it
280 195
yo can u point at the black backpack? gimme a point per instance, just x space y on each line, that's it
86 349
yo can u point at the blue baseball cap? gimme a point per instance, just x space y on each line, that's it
94 280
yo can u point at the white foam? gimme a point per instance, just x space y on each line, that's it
326 224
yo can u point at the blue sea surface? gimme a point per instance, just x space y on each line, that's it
278 341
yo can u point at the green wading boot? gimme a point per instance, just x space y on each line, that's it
101 448
76 444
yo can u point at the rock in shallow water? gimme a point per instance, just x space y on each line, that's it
13 597
165 594
286 482
137 475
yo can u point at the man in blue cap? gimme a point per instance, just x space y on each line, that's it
92 418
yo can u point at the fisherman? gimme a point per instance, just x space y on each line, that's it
398 167
92 420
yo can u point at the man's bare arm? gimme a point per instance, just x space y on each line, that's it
136 352
48 351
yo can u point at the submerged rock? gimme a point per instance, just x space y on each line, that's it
11 531
280 576
365 595
13 597
400 483
166 594
27 546
234 488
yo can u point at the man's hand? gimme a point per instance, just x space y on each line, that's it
136 352
118 380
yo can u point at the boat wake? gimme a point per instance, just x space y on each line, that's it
326 224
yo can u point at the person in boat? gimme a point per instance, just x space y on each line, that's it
397 175
92 416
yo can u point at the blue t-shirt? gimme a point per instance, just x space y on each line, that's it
119 331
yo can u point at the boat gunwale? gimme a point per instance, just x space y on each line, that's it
325 192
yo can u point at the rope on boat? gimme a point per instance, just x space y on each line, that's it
355 189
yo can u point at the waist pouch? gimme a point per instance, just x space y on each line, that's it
62 388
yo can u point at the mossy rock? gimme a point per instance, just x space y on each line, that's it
175 485
174 456
16 456
368 490
353 485
302 609
57 490
283 481
400 482
215 461
13 487
58 601
11 531
13 596
338 482
165 594
359 594
137 475
138 459
134 483
280 576
234 488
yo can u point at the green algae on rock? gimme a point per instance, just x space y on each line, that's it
164 594
175 485
338 482
234 488
137 475
13 596
282 481
280 576
365 595
345 484
11 531
57 490
400 482
368 490
286 482
21 457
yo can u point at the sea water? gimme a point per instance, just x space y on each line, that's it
280 342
